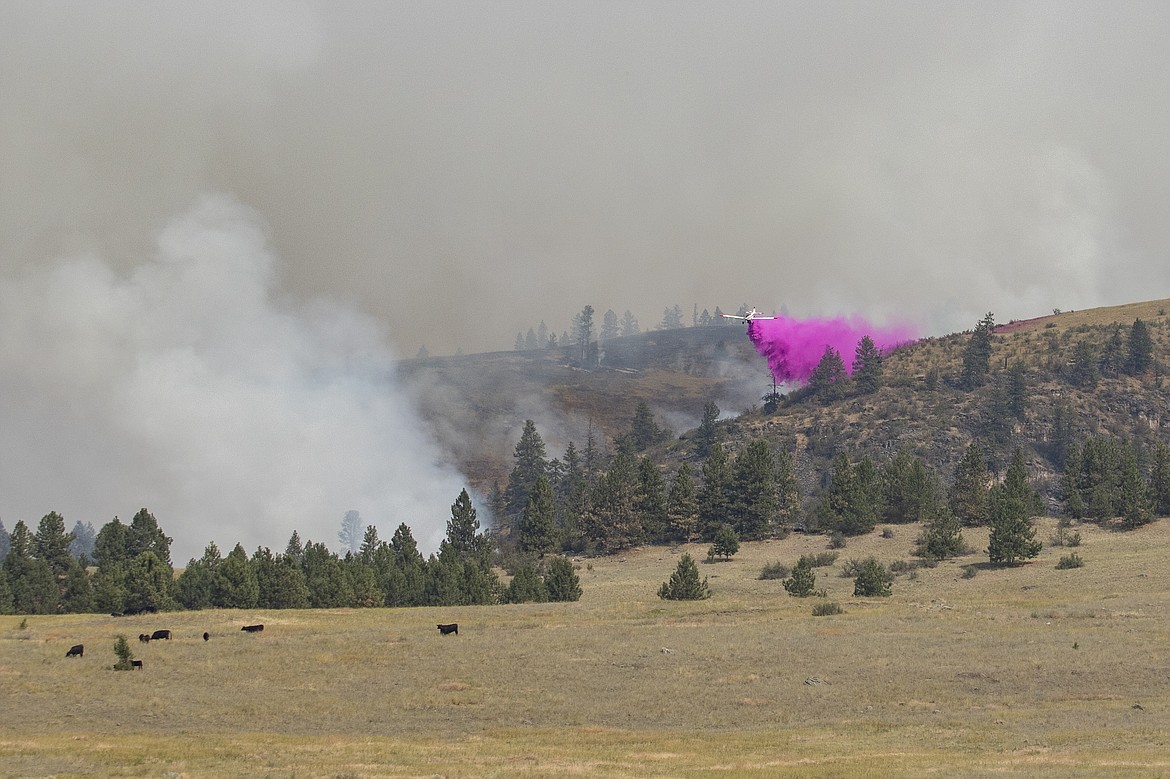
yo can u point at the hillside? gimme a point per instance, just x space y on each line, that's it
477 403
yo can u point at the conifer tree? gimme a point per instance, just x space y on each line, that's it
538 531
111 545
714 508
76 590
148 583
611 522
1160 480
941 537
124 655
609 326
911 490
239 588
829 378
531 464
561 581
977 354
726 544
969 492
751 493
850 504
707 434
350 534
526 587
410 562
51 544
629 324
1133 494
867 366
1140 357
682 505
650 501
84 537
803 581
145 535
1012 506
684 583
787 487
1084 372
1074 505
644 430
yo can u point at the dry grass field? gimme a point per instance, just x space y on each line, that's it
1028 671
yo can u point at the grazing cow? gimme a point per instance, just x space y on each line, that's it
159 634
206 636
135 663
252 628
77 650
143 610
144 637
449 629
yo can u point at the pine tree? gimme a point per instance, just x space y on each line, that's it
1133 495
650 501
370 545
51 544
612 523
1140 357
682 508
1084 372
526 587
31 581
629 324
561 581
803 581
531 464
707 435
968 498
4 542
609 326
1074 504
684 583
977 354
867 366
84 537
238 586
350 534
850 504
787 487
714 509
148 583
751 493
829 378
1160 480
911 491
726 544
1012 506
941 537
124 655
76 590
538 531
145 535
644 430
112 544
408 560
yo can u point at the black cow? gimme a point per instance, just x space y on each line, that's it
143 610
135 663
159 634
206 636
144 637
77 650
449 629
252 628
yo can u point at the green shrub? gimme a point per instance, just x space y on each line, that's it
818 560
802 583
873 579
1070 561
774 571
969 571
837 540
684 583
827 609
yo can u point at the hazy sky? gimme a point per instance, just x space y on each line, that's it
464 170
260 202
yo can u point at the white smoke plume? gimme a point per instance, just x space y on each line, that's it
193 386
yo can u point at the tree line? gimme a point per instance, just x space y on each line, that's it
133 572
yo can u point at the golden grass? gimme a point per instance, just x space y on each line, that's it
1015 672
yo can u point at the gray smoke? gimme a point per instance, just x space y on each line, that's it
195 386
499 164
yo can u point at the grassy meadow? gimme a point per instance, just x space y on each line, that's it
1022 671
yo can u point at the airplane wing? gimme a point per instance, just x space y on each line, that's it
733 316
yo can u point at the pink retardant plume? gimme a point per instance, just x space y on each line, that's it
795 346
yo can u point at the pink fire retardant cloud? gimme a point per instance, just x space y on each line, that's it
795 346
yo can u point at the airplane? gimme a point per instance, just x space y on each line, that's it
753 314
